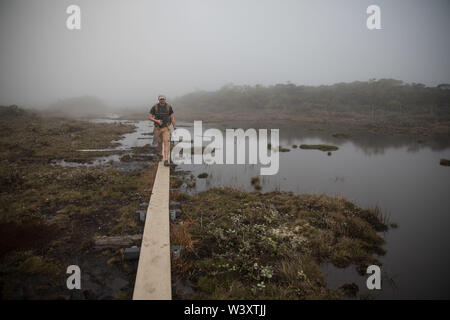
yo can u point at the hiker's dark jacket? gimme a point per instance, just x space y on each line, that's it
162 112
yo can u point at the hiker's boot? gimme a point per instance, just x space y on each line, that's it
166 163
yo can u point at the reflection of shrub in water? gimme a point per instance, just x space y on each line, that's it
445 162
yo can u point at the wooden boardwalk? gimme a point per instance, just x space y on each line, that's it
153 278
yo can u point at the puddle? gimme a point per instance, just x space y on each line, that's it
139 138
142 136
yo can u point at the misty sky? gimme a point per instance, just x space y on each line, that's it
129 51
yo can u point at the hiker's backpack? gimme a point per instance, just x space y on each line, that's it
164 112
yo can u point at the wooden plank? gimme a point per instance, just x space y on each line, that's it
117 241
153 278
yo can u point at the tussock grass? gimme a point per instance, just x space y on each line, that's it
250 245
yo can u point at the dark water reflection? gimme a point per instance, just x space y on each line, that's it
398 174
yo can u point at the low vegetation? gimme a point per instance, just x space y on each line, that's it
51 214
27 137
256 183
321 147
383 105
251 245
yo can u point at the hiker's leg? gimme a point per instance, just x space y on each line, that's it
166 138
157 136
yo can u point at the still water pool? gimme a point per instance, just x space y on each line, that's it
398 174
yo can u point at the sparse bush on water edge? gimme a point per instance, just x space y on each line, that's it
256 183
254 180
249 245
321 147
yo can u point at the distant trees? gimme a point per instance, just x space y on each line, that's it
10 111
85 106
373 97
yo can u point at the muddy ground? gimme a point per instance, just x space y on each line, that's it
51 214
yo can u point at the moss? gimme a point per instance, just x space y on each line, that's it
114 260
38 265
207 284
123 295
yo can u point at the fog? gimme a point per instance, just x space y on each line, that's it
129 51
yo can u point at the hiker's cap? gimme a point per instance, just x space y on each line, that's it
161 96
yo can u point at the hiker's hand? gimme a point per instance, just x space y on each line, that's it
159 122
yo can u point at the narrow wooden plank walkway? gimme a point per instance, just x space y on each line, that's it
153 278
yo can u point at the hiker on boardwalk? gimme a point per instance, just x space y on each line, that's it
162 116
